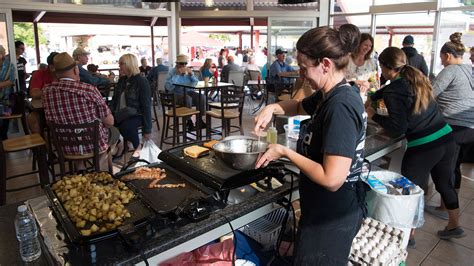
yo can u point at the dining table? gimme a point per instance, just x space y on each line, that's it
202 86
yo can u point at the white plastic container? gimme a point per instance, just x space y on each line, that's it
403 212
295 121
291 133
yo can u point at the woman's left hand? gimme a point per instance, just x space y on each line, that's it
274 152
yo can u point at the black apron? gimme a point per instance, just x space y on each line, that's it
329 220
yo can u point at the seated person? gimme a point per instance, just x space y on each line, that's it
280 70
40 78
206 69
251 65
144 68
153 74
70 101
131 103
231 66
94 71
180 74
82 57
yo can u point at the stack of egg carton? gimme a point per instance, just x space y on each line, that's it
377 244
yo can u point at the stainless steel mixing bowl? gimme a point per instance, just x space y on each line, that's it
240 153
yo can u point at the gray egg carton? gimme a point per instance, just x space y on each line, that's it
377 244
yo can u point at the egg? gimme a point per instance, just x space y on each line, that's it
356 246
371 231
365 250
374 223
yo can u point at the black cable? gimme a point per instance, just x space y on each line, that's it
144 258
234 240
293 233
285 219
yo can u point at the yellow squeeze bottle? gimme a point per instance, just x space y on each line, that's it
272 135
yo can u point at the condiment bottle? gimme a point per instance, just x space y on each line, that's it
272 135
259 78
216 76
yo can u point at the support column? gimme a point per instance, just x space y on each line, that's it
240 40
174 33
257 39
37 43
251 37
323 13
152 46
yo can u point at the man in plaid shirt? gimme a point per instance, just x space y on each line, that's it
70 101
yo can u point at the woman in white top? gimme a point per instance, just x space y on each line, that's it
362 69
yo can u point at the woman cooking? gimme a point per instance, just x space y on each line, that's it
330 148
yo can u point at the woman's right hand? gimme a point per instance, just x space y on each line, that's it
263 118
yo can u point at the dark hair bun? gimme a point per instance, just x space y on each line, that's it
349 35
456 37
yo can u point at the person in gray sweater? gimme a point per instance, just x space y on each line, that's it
453 90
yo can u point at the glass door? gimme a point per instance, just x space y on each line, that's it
283 33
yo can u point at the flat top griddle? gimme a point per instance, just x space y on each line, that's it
209 169
139 211
166 200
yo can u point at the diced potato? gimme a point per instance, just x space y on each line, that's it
94 228
81 224
112 216
92 218
105 207
86 232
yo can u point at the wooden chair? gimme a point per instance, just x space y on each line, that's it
159 86
154 105
174 112
231 107
78 136
161 80
236 78
32 142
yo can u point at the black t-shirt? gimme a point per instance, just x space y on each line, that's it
21 63
337 126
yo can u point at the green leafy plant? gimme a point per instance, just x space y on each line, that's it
24 32
220 37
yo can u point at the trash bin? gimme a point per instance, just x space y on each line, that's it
400 211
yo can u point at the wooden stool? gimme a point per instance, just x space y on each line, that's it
171 111
34 142
231 107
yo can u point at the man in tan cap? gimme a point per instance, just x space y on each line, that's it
181 74
82 57
70 101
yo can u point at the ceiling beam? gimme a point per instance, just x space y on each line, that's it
38 16
153 21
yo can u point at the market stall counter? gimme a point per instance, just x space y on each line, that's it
165 239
